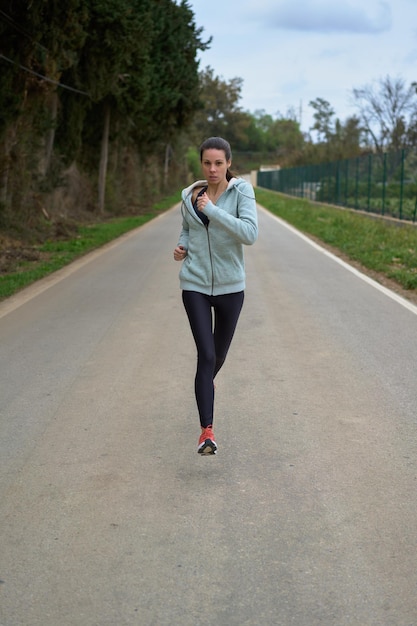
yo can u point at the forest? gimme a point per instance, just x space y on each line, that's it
103 102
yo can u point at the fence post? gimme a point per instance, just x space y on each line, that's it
369 181
402 183
329 180
357 183
347 182
338 182
384 183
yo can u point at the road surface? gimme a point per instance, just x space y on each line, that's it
308 513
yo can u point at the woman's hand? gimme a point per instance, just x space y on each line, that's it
180 253
202 201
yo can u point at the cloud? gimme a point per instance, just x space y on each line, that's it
326 16
411 57
331 53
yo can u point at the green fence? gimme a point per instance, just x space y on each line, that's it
385 184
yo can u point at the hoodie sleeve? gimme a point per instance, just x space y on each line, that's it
185 231
186 195
244 227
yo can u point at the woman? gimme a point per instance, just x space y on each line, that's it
219 215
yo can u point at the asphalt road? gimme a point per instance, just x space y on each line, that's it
308 513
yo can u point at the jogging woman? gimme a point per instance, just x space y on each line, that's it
219 216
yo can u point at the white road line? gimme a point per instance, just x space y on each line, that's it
391 294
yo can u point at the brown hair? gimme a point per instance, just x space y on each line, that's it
218 143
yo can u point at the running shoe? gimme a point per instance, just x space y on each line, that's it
206 443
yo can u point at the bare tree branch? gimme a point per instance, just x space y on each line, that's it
387 111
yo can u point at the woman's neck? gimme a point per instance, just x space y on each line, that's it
215 191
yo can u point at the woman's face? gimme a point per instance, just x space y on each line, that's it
214 165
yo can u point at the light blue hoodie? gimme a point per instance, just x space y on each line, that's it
214 264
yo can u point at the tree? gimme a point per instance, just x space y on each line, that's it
387 112
263 122
345 140
140 67
91 77
219 113
287 139
38 42
322 118
336 139
110 56
174 80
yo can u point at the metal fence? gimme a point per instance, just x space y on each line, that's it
385 184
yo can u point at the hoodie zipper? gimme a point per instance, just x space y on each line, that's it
206 226
211 258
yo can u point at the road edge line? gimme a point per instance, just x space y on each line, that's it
388 292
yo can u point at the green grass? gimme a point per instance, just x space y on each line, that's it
56 254
378 245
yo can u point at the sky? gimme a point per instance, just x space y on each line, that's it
291 52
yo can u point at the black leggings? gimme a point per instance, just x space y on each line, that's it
212 345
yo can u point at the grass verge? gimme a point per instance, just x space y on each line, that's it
55 254
381 246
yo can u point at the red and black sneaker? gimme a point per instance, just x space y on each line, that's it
206 443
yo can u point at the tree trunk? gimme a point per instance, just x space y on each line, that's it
104 156
50 138
5 161
168 151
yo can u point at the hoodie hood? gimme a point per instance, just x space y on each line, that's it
233 182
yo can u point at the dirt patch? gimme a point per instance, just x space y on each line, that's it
13 253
